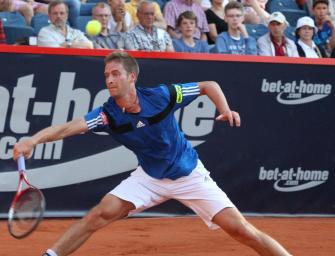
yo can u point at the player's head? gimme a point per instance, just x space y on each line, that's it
121 71
128 62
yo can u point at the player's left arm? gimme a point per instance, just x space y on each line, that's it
214 92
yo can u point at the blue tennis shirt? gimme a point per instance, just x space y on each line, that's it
152 134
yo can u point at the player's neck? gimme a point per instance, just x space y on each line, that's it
130 103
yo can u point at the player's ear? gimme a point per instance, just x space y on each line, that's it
133 76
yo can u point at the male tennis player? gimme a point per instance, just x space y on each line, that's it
143 120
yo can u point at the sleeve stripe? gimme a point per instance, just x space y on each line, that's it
192 90
94 122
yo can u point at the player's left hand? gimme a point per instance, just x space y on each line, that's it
232 117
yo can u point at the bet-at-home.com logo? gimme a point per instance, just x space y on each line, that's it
296 92
293 179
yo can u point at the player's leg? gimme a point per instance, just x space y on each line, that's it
111 208
232 221
199 192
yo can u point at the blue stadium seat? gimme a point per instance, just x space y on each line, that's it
279 5
290 33
256 30
292 16
86 9
39 21
82 21
12 18
16 33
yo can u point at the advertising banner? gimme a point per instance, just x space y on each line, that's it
280 161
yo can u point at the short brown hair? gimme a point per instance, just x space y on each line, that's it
54 3
128 62
234 5
187 15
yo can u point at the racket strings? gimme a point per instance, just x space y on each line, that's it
26 212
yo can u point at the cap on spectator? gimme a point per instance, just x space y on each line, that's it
315 2
306 21
279 17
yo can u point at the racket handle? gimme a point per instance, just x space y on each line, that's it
21 163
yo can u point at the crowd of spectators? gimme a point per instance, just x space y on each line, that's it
207 26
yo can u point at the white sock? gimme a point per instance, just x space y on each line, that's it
51 252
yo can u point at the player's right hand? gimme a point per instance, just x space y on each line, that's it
24 148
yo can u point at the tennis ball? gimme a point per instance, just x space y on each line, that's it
93 27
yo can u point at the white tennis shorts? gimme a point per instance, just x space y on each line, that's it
197 191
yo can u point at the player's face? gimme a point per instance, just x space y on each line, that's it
119 83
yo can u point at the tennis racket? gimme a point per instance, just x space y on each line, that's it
27 208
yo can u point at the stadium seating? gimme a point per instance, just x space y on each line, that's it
12 18
279 5
290 33
15 33
256 30
86 9
292 16
82 21
39 21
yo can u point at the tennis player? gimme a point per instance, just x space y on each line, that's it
143 120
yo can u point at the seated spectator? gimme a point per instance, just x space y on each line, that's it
309 4
26 9
187 22
106 39
215 18
120 21
131 8
2 34
325 36
236 40
58 33
74 10
275 43
255 12
174 8
146 36
305 31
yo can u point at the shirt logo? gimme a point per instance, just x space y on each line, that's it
140 124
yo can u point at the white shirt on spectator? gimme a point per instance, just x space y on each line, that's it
50 36
309 51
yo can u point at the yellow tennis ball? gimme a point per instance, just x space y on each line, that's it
93 27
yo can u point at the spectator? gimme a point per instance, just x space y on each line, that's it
58 33
325 36
305 31
187 23
215 18
74 10
120 21
146 36
106 39
236 40
131 8
174 8
275 43
2 34
206 4
26 9
255 12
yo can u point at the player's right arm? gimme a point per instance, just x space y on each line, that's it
51 133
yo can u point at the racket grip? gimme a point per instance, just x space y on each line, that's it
21 163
